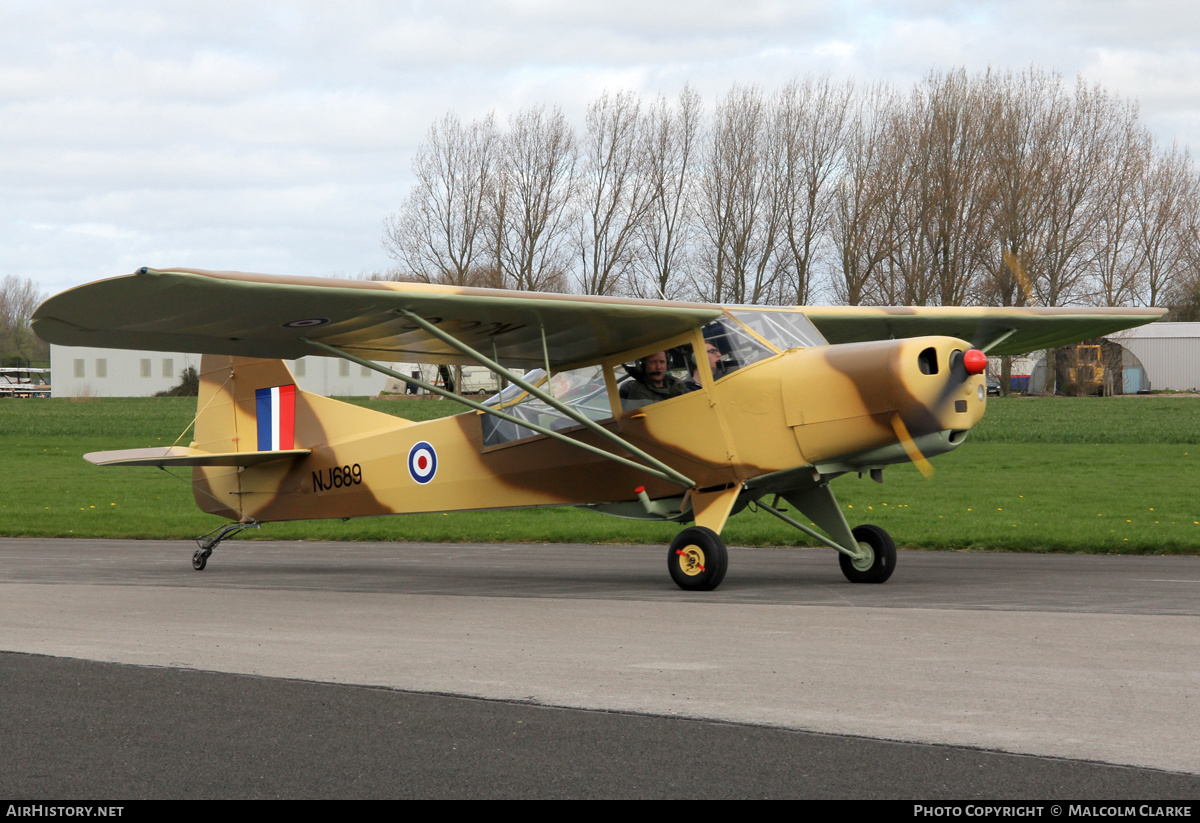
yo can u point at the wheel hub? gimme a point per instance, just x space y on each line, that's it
865 559
691 560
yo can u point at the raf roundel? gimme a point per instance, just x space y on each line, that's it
422 462
306 323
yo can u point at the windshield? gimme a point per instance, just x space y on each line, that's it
784 329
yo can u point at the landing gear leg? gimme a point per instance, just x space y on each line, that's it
867 553
208 542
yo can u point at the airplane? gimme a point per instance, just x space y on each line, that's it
757 404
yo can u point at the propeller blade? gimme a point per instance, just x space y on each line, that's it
910 447
1018 269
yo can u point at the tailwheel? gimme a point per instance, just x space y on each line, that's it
210 541
697 559
877 556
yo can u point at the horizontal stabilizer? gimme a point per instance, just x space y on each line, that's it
185 456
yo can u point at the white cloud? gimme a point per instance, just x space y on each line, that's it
276 135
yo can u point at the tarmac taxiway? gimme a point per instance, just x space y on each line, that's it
1072 676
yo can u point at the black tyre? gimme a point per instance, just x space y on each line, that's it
880 561
698 559
199 560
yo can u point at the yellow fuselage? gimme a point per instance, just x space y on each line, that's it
807 407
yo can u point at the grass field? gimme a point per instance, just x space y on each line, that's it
1040 474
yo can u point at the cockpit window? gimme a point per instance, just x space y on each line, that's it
737 348
582 390
512 393
784 329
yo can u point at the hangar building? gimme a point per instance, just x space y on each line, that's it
1169 352
94 372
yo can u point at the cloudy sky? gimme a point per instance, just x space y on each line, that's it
275 136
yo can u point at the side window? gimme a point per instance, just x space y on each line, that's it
582 390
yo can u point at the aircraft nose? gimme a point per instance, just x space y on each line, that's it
946 392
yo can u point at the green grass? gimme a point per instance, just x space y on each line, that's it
1041 474
1132 419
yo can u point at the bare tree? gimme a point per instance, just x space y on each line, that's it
672 139
1118 259
901 178
1166 206
1184 294
999 188
531 203
1076 191
858 226
934 194
440 234
739 203
614 190
958 194
810 119
1032 111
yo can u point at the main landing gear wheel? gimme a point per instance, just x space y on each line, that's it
878 560
200 559
697 559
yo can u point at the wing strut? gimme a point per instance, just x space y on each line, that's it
993 343
660 469
545 396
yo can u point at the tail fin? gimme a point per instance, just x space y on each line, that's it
227 414
250 405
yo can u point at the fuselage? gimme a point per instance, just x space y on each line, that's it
831 408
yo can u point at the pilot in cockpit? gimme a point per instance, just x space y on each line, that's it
654 382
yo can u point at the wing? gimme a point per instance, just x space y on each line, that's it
186 456
996 330
258 315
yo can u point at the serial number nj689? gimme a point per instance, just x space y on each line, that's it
337 477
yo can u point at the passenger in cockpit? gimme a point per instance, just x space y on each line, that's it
714 365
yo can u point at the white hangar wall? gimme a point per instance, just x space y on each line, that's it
94 372
1170 353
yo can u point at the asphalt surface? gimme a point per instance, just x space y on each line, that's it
416 670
